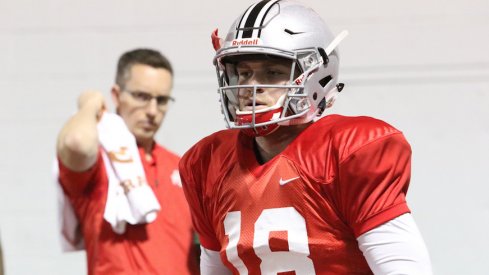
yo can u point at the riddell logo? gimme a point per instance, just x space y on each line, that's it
246 42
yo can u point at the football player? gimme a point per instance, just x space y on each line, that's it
285 191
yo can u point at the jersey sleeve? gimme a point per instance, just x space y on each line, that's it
76 183
192 173
373 182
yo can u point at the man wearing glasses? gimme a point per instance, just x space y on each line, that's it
141 95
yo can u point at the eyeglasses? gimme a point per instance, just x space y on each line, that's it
143 98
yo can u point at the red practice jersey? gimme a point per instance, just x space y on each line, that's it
301 212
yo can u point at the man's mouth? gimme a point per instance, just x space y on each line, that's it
248 106
147 124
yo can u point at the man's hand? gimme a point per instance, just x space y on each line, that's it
77 146
93 100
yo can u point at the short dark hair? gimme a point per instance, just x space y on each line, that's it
150 57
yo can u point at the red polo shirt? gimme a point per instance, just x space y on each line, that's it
161 247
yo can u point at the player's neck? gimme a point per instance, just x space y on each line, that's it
267 147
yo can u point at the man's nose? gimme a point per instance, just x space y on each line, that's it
253 81
245 92
152 107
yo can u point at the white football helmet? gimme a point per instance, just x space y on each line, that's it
279 29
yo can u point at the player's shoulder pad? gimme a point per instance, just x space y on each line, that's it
351 133
338 137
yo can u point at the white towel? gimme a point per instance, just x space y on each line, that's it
129 198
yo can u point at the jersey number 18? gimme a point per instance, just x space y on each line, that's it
272 262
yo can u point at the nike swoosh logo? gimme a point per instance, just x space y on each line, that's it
284 182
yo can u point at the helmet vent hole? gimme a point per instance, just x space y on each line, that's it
323 82
315 96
